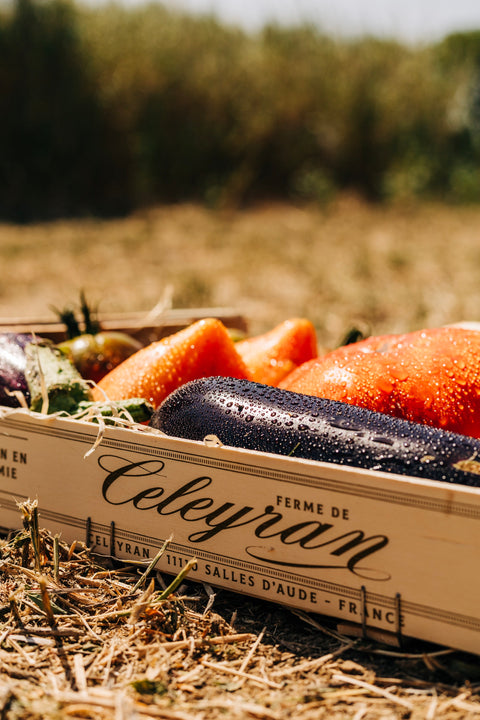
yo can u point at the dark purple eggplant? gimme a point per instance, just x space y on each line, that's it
248 415
12 367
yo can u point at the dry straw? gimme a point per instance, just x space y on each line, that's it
83 637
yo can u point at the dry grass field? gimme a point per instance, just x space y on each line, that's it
386 270
117 650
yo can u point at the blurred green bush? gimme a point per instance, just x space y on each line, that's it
104 110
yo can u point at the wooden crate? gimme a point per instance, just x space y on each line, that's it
391 554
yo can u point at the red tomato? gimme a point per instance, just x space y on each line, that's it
273 355
202 349
429 376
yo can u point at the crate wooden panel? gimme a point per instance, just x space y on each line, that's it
137 324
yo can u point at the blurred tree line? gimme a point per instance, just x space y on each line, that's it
104 110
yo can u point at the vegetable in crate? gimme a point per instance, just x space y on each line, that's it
428 376
54 383
137 410
12 368
273 355
252 416
201 349
94 351
56 386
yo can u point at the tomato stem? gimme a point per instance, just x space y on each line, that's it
92 326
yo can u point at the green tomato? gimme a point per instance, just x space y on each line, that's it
95 355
